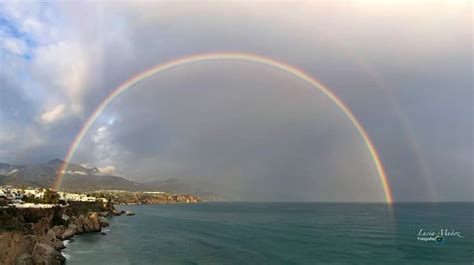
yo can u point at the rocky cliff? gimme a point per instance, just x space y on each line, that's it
35 235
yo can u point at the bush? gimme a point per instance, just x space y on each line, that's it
50 197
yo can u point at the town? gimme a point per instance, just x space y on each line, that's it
41 197
47 198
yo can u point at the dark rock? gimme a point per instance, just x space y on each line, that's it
58 230
13 245
24 259
116 213
91 223
68 233
104 214
88 223
41 227
104 222
51 239
78 224
74 228
37 234
45 254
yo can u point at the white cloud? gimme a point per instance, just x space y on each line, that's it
32 26
64 67
15 46
107 170
53 115
100 135
7 136
75 172
18 140
35 139
104 151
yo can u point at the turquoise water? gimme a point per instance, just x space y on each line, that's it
280 233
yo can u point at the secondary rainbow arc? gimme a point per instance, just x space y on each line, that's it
222 57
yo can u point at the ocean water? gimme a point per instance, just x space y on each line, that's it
281 233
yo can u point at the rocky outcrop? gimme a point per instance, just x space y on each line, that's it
104 222
14 245
70 232
59 229
24 259
46 254
35 236
18 248
88 223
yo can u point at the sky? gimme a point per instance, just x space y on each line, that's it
247 130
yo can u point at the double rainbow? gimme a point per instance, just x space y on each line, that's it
227 56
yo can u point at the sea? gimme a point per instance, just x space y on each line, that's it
283 233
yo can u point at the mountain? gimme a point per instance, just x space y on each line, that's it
80 178
76 177
174 185
170 185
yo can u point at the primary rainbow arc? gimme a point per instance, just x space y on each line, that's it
222 57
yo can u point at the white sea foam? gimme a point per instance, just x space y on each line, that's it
66 242
67 256
84 251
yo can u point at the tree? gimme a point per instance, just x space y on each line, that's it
51 197
30 199
3 202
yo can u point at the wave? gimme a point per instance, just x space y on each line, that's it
84 251
65 255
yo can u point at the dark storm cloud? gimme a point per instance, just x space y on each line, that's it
243 127
404 70
14 102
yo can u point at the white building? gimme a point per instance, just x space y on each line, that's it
76 197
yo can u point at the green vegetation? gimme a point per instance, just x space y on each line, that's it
78 208
32 199
49 197
3 202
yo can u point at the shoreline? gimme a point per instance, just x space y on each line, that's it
68 235
36 231
38 235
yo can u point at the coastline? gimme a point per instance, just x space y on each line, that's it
237 233
37 235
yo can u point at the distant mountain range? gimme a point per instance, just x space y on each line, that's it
80 179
